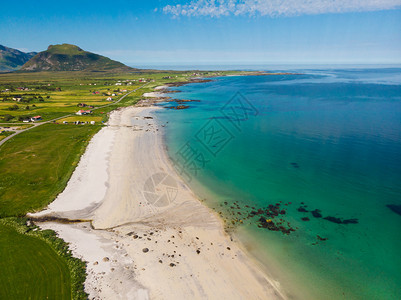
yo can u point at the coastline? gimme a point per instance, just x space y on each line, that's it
156 246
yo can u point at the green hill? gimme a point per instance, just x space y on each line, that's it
12 59
68 57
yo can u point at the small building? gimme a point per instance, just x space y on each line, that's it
17 98
83 112
36 118
113 95
109 99
93 122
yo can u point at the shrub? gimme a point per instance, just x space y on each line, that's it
14 107
7 117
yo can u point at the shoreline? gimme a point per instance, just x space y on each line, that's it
174 247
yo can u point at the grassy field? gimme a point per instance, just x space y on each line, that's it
36 165
31 269
56 94
89 118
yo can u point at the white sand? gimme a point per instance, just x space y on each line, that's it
171 223
154 95
162 87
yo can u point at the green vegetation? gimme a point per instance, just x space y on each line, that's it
68 57
4 134
36 264
12 59
36 165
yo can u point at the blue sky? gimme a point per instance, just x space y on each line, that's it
207 31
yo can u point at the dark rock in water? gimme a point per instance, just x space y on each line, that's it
316 213
351 221
305 219
321 238
395 208
295 165
302 209
333 219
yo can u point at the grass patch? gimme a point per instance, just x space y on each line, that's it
36 165
81 119
4 134
37 264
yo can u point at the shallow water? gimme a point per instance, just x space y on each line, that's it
327 140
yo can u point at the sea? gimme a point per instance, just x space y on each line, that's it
305 170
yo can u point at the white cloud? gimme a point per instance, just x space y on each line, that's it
217 8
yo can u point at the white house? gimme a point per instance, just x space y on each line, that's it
83 112
109 99
36 118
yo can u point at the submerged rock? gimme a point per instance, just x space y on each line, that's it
395 208
302 209
333 219
351 221
316 213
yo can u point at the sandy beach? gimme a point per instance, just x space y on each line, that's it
149 237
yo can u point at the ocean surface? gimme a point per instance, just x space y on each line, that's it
323 149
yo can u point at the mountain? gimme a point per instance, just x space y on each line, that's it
68 57
12 59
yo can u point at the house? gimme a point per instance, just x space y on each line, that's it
83 112
109 99
93 122
17 98
118 83
36 118
113 95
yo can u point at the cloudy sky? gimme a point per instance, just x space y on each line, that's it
212 31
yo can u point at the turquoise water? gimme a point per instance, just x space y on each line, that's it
327 140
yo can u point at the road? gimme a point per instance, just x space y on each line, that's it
53 120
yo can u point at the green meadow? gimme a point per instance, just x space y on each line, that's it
36 165
30 269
